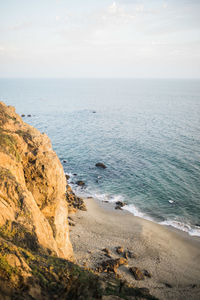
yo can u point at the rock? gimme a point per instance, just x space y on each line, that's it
94 112
107 252
120 250
29 116
111 265
125 254
67 176
136 273
118 207
131 254
80 183
64 161
120 203
23 116
100 165
35 210
75 174
147 273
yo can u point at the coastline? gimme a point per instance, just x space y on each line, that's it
170 255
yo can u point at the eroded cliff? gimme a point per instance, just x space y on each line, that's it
32 188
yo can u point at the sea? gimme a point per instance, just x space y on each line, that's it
146 131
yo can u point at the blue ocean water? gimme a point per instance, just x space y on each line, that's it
145 131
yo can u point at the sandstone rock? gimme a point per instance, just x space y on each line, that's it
120 250
137 273
112 265
107 252
147 273
100 165
32 185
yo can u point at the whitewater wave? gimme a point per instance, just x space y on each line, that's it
181 226
193 231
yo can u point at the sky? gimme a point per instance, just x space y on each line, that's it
100 39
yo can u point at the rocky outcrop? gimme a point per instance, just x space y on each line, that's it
33 207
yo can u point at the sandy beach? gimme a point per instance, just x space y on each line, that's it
172 257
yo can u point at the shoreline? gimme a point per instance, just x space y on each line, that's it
170 255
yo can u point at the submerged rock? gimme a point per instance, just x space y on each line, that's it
80 183
100 165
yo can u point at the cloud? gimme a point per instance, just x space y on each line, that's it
58 18
20 26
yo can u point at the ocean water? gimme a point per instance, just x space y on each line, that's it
145 131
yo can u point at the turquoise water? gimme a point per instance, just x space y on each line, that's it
145 131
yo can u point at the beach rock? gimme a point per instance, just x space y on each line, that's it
94 112
29 116
118 207
64 161
147 273
120 250
100 165
75 174
120 203
111 265
67 176
107 252
74 202
22 115
125 254
80 183
137 273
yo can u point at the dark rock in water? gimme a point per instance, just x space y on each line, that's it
137 273
147 273
120 203
118 207
120 250
112 265
75 174
23 116
80 183
198 225
29 116
64 161
100 165
67 176
94 112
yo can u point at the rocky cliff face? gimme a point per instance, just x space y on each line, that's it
33 207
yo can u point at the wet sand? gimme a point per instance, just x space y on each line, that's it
171 256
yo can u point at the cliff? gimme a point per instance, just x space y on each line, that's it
36 256
32 188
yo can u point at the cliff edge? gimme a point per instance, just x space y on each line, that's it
33 205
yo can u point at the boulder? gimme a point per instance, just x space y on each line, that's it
80 183
137 273
67 176
120 249
22 115
100 165
111 265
